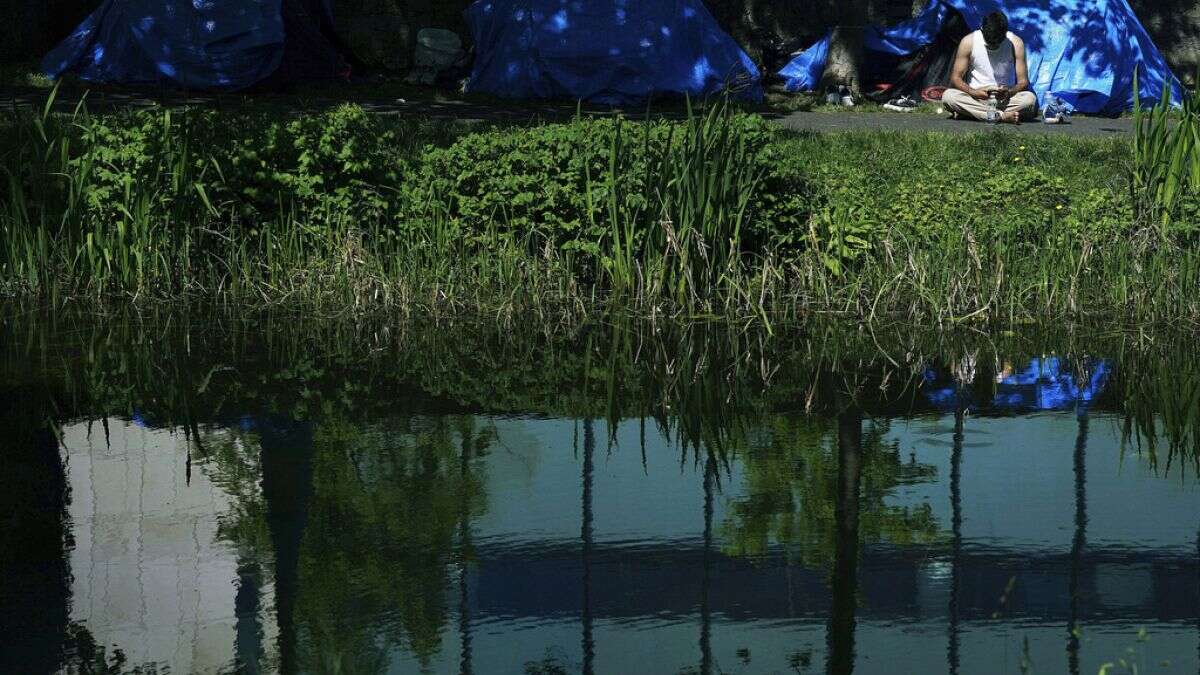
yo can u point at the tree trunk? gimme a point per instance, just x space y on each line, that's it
844 65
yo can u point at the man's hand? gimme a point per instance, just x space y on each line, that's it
1002 94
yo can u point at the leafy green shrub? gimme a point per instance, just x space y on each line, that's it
786 198
345 159
522 181
554 182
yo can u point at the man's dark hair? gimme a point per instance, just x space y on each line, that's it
995 28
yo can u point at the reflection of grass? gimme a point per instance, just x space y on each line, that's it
706 385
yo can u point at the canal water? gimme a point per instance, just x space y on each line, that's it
203 497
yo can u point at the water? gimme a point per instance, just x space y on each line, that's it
258 497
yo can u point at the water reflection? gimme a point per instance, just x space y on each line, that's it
844 580
317 516
1041 384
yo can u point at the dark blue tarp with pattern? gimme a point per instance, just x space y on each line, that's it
1083 51
199 44
605 51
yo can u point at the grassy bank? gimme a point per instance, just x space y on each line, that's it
718 213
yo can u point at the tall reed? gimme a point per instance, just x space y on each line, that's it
680 238
1166 154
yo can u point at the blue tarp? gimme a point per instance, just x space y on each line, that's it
604 51
196 44
1083 51
1043 384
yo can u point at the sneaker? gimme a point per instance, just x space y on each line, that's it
901 104
1056 111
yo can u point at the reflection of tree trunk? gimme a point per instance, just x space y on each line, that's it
1078 544
464 524
34 571
287 458
844 63
589 451
706 662
247 603
840 637
956 452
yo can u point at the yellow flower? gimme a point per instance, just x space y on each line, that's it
1021 148
1059 207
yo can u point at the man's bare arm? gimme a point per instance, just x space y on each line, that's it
1022 67
962 61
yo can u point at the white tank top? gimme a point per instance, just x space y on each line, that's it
992 67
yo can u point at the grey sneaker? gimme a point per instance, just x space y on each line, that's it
902 104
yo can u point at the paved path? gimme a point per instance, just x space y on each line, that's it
922 122
918 122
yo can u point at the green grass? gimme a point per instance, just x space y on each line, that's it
23 75
717 214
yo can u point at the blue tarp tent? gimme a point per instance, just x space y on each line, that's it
200 44
1083 51
604 51
1043 384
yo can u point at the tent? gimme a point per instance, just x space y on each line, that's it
201 44
604 51
1043 384
1083 51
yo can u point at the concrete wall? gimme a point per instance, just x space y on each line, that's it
150 575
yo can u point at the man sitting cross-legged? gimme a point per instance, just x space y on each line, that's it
991 61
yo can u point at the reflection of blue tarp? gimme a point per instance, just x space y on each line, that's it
1084 51
198 44
1044 384
606 51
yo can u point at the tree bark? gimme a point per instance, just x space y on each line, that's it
844 64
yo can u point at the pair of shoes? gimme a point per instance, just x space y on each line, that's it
902 104
839 96
1056 110
847 99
